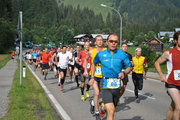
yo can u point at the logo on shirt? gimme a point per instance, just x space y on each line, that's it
104 55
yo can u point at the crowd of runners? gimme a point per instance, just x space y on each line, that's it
105 69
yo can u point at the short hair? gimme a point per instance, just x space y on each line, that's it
98 36
176 35
113 34
63 46
138 49
123 43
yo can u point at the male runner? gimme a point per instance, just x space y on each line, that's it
111 61
125 80
80 60
172 80
62 65
45 61
77 67
137 72
97 77
34 57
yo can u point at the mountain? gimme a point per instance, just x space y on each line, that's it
140 11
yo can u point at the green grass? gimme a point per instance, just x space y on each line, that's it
163 68
4 58
27 102
91 4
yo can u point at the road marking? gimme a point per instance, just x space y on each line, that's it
141 94
59 108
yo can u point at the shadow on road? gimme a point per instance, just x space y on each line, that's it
134 118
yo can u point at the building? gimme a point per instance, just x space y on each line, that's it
162 34
155 45
90 38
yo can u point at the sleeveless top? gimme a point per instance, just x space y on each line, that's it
173 67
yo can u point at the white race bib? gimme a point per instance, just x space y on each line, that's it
63 67
98 71
176 74
113 83
88 66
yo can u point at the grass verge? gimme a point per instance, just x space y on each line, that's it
4 58
27 102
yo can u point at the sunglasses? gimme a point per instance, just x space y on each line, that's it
111 41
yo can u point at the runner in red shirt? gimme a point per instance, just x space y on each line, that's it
13 55
45 62
80 60
172 80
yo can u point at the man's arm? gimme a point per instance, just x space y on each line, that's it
163 58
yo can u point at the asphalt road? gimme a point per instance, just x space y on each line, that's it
154 101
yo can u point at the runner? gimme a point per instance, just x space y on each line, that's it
97 77
50 61
57 60
77 67
62 65
172 80
111 63
71 63
137 72
45 61
13 55
80 60
34 57
125 80
53 59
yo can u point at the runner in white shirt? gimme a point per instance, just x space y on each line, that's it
62 65
71 63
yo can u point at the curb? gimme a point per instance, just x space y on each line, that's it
52 99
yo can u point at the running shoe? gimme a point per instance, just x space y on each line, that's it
59 84
118 104
87 94
62 88
82 98
102 113
98 117
137 100
91 107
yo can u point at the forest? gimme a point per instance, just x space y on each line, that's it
49 20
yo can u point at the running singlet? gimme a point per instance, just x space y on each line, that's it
45 58
111 67
138 64
82 56
34 55
173 67
98 72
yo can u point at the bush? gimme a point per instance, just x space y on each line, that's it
150 55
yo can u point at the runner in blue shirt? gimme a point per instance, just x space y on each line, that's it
111 61
34 57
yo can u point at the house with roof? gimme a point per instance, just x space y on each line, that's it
155 44
162 34
90 38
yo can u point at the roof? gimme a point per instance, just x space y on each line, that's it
79 36
104 36
153 39
177 29
163 33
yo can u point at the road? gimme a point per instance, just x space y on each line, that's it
153 105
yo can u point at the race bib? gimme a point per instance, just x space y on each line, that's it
113 83
176 74
98 71
88 66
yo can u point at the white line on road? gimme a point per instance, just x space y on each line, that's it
141 94
59 108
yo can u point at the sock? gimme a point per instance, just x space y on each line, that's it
62 81
87 87
82 91
76 79
45 74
